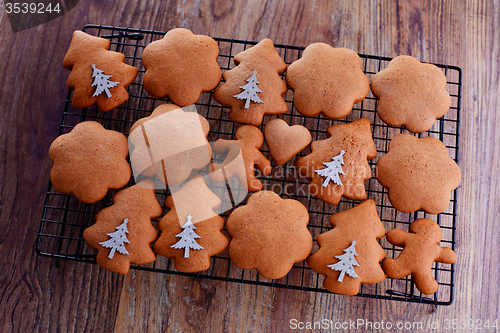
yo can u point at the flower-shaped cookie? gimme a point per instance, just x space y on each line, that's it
269 234
89 161
91 63
181 66
169 144
418 174
411 94
327 80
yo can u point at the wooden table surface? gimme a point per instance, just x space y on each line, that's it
35 295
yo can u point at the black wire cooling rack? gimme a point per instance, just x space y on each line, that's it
64 218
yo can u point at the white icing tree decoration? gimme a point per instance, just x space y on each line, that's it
250 91
102 83
346 263
118 240
188 237
332 170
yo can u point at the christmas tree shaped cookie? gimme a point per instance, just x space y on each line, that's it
191 230
169 144
248 141
418 173
254 87
123 233
420 251
181 66
338 166
97 74
349 254
327 80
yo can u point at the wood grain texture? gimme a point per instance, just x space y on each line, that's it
37 295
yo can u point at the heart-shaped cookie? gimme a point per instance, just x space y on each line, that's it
284 142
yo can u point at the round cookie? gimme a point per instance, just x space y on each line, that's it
284 142
327 80
254 87
181 66
420 251
123 232
269 234
410 94
93 65
89 161
418 174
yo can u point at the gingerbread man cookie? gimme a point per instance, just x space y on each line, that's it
248 141
411 94
89 161
97 74
181 66
327 80
269 234
169 144
420 251
284 142
191 231
254 87
338 165
123 232
418 173
349 254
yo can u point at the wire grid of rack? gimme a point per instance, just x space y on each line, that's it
64 218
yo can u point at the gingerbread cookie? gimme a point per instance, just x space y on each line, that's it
97 74
418 174
181 66
349 254
338 165
411 94
248 141
89 161
420 251
327 80
269 234
254 87
123 232
191 231
284 142
169 144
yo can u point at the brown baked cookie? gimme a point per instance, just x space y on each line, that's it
169 144
254 87
248 141
338 166
349 254
327 80
269 234
420 251
418 174
97 74
123 232
89 161
181 66
411 94
283 141
191 231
